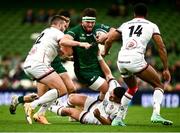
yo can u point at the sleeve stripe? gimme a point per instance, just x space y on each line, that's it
118 31
156 34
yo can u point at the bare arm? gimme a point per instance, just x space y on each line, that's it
113 35
66 51
103 120
67 40
163 55
102 38
105 68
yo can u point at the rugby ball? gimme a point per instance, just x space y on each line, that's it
100 32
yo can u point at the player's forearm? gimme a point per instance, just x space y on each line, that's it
68 42
107 46
105 68
161 50
113 35
163 55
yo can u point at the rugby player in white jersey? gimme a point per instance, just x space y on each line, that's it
95 111
38 63
135 35
41 88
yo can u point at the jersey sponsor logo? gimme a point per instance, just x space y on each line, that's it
92 78
82 38
111 107
131 45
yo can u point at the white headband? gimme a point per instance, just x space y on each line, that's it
89 19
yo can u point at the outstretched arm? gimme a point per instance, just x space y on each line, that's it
113 35
67 40
101 38
163 55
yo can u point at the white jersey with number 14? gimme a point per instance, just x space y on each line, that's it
136 34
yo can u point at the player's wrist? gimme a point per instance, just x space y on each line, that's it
80 44
99 57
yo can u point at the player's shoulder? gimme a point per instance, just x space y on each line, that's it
74 30
52 30
77 27
151 24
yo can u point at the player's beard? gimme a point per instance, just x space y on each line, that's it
89 29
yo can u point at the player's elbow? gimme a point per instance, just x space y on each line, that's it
63 42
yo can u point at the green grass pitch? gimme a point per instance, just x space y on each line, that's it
137 120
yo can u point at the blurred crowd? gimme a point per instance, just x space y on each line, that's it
42 16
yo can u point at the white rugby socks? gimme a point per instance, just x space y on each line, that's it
47 97
44 107
157 100
56 109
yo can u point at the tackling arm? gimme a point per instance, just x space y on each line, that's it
113 35
102 38
105 68
67 40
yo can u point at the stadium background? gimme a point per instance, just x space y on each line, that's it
16 38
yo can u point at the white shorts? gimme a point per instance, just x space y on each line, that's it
37 70
131 64
87 116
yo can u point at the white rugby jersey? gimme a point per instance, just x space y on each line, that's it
108 108
136 33
46 47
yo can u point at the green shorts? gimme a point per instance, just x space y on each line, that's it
88 77
57 65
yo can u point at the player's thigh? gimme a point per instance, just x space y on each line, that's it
151 76
68 82
54 81
41 88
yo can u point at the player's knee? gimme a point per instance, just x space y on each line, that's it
71 99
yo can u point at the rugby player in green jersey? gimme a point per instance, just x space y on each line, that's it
86 64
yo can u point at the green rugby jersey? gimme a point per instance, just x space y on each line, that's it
86 59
